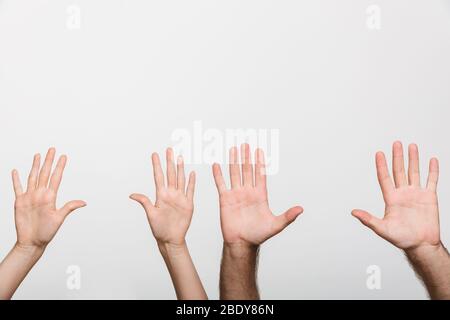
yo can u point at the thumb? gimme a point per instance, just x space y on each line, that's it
71 206
377 225
145 202
282 221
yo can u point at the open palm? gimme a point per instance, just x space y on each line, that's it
244 209
171 214
411 216
36 216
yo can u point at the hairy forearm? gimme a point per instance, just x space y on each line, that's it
432 265
15 268
238 274
185 278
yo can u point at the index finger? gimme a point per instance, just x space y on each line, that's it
57 175
157 172
384 178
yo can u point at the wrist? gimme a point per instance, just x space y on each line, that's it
29 251
172 249
426 252
240 249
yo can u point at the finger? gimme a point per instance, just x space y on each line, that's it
34 173
157 172
145 202
260 169
44 175
433 175
18 190
398 165
282 221
171 173
374 223
384 178
181 179
413 168
57 175
247 167
71 206
235 171
191 187
218 178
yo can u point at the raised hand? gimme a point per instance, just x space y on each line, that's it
37 218
244 209
171 214
169 220
246 221
411 218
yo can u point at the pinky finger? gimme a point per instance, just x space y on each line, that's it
18 190
433 175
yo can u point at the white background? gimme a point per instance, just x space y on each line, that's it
113 91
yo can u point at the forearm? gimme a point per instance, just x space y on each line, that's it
432 264
185 278
238 274
15 267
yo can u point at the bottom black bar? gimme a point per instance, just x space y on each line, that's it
224 310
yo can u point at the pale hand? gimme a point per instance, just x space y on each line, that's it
171 215
36 216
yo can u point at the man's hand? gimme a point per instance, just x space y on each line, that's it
170 218
246 221
244 209
37 218
411 218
